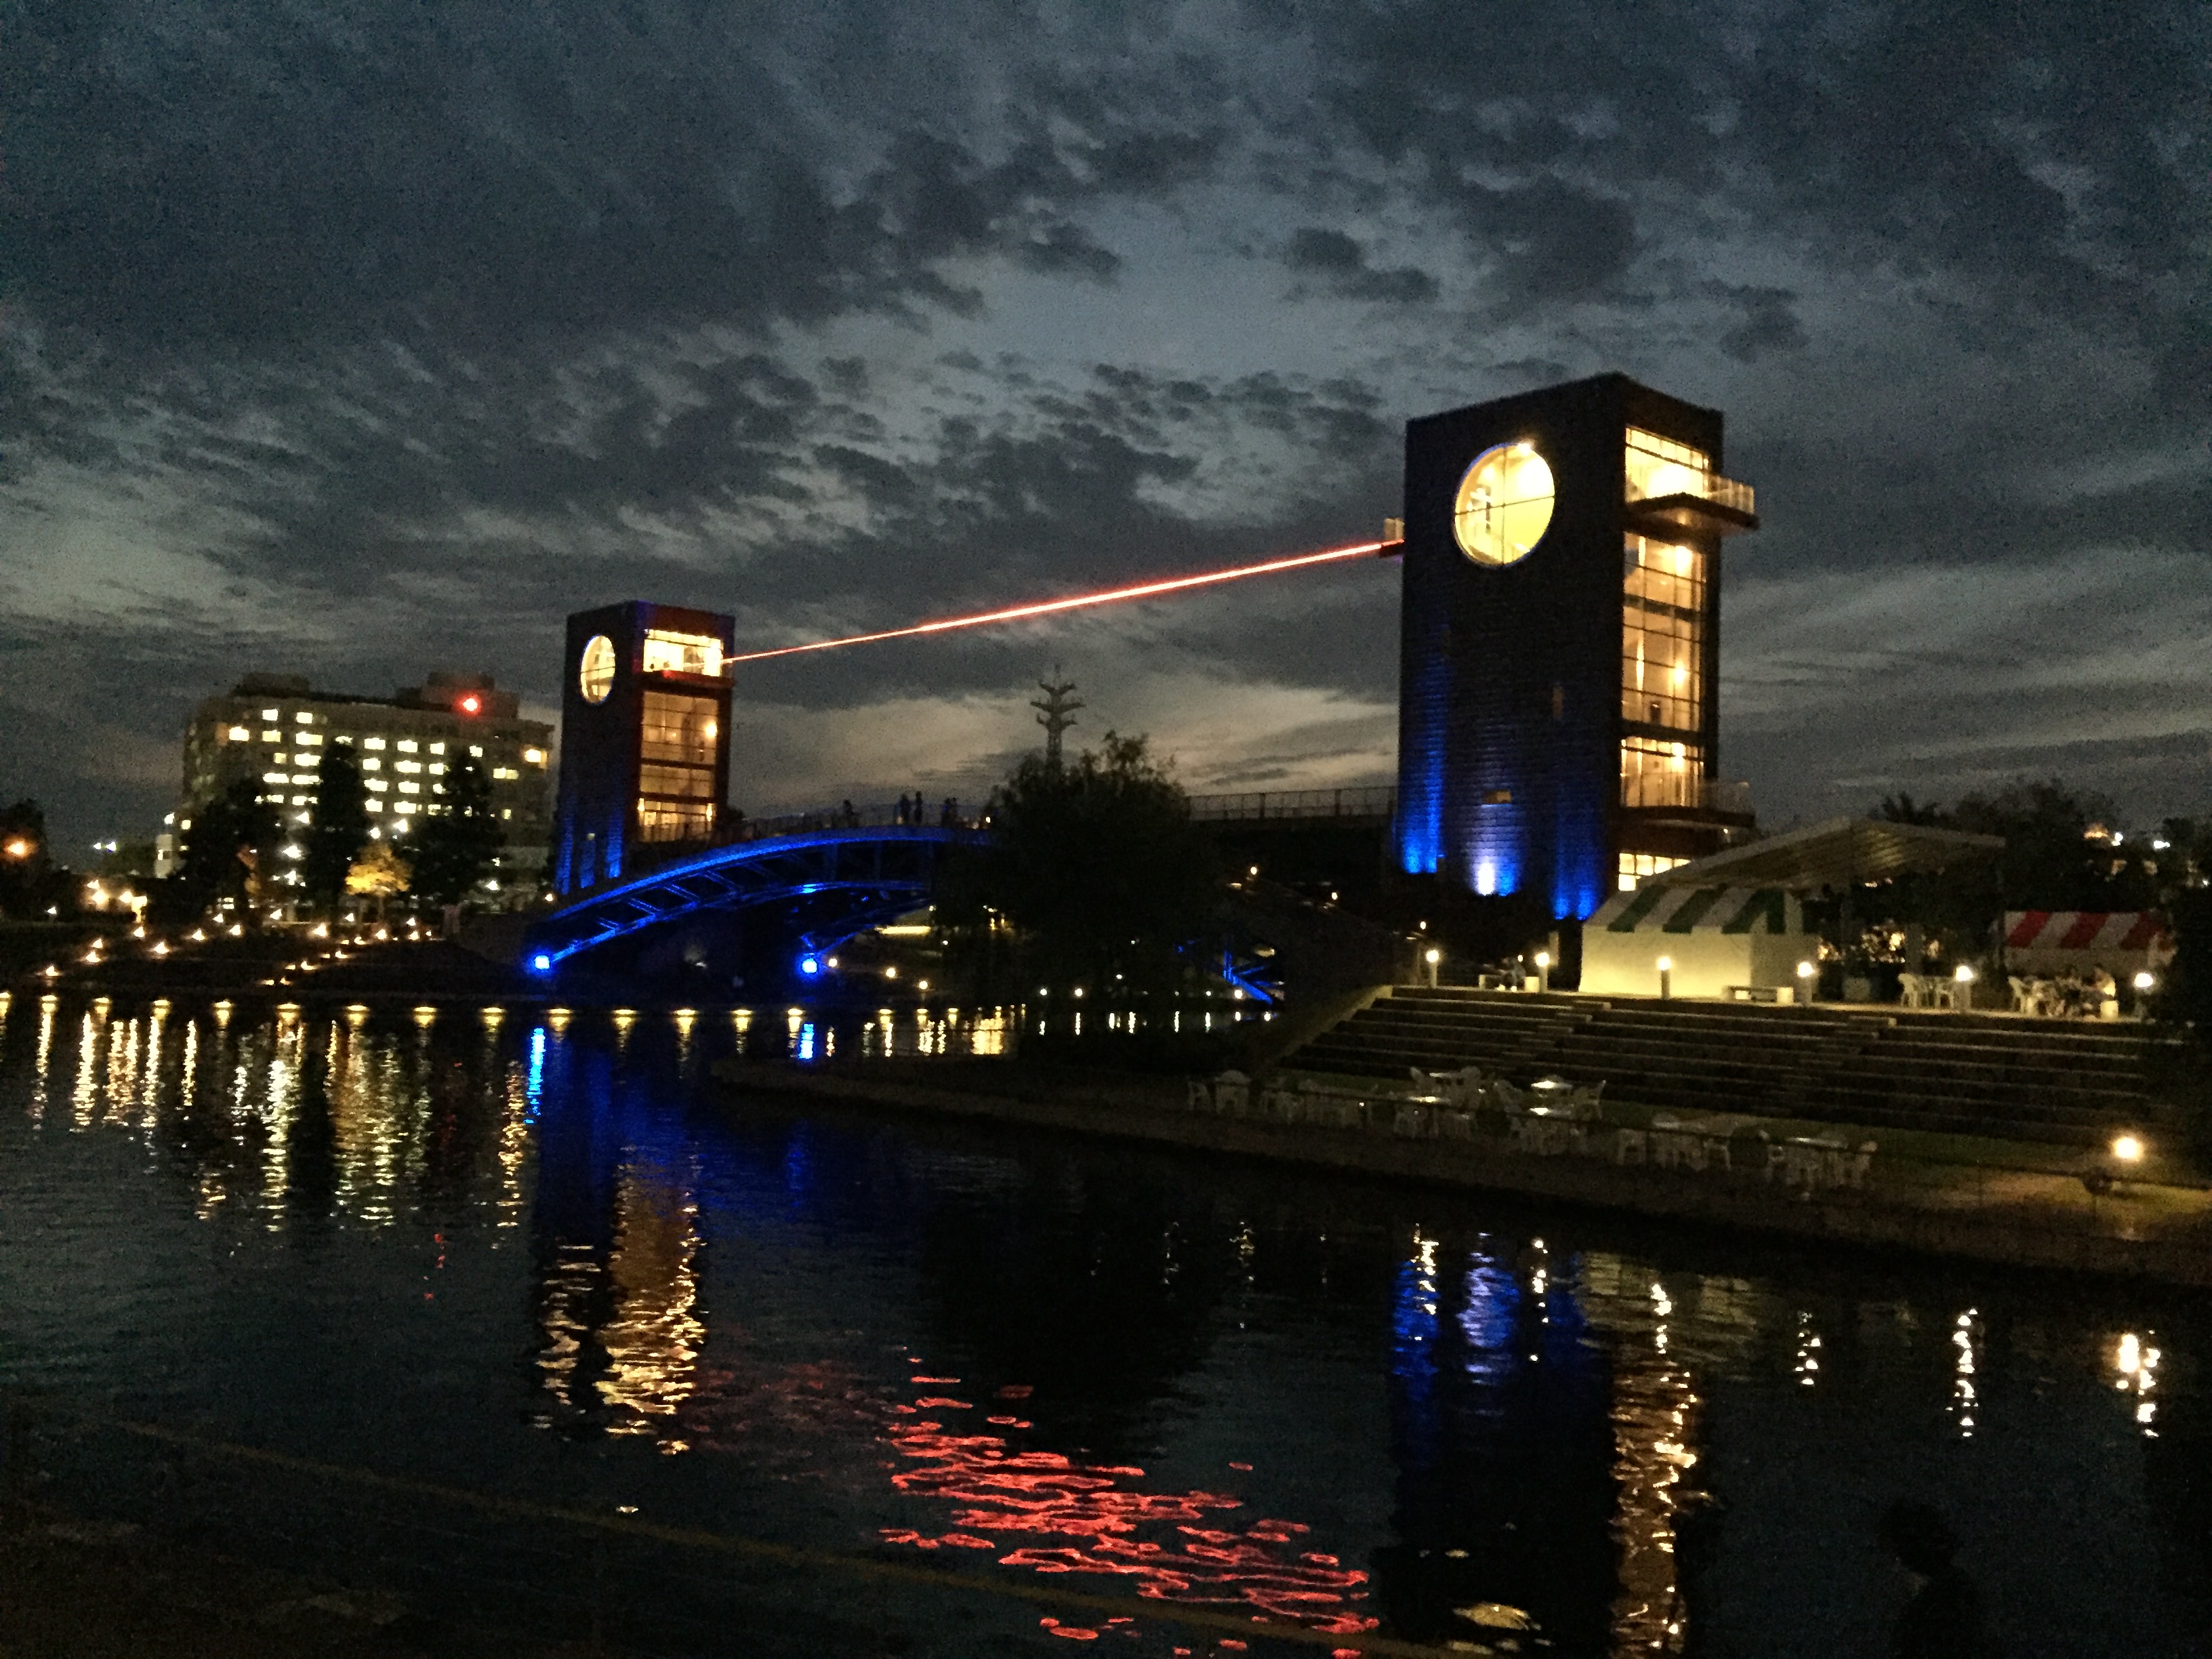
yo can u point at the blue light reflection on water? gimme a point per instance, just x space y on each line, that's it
737 1290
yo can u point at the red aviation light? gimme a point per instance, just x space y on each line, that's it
1082 601
470 704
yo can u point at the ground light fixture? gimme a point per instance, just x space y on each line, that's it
2146 980
1666 976
2128 1148
1433 957
1963 977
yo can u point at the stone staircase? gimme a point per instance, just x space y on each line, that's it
2065 1085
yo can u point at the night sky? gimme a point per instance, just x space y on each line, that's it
362 338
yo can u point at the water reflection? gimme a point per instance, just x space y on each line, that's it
1511 1435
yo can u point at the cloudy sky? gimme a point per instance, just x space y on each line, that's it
360 337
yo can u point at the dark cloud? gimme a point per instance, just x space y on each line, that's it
368 339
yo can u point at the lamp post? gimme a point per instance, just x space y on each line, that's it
1809 981
1666 977
1433 957
1962 988
1543 971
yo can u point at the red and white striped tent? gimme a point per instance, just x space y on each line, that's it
2119 941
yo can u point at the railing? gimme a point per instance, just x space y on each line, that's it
1679 481
1687 790
1369 801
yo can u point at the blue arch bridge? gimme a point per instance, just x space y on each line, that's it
794 888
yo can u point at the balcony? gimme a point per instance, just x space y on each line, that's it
1682 500
1687 798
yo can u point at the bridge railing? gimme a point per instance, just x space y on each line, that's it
1370 801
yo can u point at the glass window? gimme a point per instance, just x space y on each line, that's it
371 743
686 781
378 784
670 653
677 728
535 757
595 669
1634 866
241 734
1659 466
268 714
371 765
1503 505
304 717
273 737
407 745
437 748
1663 637
1654 773
660 820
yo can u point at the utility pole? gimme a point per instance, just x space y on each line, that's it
1055 713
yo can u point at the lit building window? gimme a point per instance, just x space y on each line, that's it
661 820
304 717
281 760
371 765
410 789
1634 866
1503 505
276 777
371 743
1654 773
406 766
1659 466
437 748
375 806
437 768
377 786
669 653
303 777
535 757
1663 637
507 812
684 781
269 713
241 734
308 736
677 728
407 745
476 749
504 774
303 800
273 737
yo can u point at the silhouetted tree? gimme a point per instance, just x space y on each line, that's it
453 850
228 838
1095 865
339 831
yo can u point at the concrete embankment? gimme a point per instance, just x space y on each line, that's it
1986 1213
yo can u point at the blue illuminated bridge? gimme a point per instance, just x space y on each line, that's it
822 885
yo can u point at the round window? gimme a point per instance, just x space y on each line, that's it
1503 505
595 675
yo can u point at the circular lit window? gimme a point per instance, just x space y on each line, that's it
595 675
1503 505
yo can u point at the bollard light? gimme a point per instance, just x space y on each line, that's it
2127 1149
1666 976
2146 980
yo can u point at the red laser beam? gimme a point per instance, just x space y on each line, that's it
1079 601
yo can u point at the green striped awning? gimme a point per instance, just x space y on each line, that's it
1695 910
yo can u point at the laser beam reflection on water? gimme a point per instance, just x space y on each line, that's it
1096 1520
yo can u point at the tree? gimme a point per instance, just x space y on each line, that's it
1097 865
453 850
228 838
339 831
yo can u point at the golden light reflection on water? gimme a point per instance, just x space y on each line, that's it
652 1343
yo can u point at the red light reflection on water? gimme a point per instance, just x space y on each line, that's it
1092 1518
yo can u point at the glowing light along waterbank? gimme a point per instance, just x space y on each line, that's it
1081 601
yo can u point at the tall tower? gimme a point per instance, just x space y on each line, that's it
645 737
1559 709
1055 713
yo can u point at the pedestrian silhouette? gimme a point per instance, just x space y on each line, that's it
1943 1619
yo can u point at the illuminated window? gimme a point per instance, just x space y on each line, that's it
677 728
378 784
437 748
241 734
269 713
1659 466
1503 505
506 811
1663 637
273 737
304 717
535 757
1634 866
373 805
371 743
667 653
476 749
302 800
437 768
684 781
503 773
407 766
371 765
276 777
675 820
595 669
1659 774
304 777
407 745
410 789
307 737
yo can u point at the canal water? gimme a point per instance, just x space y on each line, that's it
922 1379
